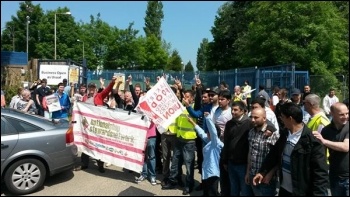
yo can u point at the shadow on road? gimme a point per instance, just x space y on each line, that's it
133 191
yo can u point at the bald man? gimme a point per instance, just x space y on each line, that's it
259 147
335 137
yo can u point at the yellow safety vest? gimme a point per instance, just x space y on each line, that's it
172 127
247 88
237 98
315 122
185 129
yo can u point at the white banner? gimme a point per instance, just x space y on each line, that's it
161 105
53 73
112 136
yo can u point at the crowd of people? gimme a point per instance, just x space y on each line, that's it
249 146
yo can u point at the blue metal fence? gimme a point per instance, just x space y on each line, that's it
282 76
13 58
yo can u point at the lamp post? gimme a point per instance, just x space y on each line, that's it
66 13
27 34
83 47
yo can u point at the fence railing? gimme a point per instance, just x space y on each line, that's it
281 76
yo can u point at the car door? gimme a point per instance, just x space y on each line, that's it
9 139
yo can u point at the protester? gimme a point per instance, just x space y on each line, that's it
212 151
328 101
97 100
299 156
335 137
64 100
16 98
259 146
26 104
3 100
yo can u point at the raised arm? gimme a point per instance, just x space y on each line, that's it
199 130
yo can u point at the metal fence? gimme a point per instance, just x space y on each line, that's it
281 75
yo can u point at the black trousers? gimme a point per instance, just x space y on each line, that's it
199 146
158 151
85 161
283 192
210 186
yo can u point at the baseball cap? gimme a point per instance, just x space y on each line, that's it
295 91
213 90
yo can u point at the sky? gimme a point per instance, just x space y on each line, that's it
185 23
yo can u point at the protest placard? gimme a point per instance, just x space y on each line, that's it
53 103
113 136
161 105
120 77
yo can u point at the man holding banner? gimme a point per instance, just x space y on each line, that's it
96 99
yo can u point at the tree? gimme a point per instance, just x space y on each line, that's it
202 54
189 67
97 36
174 62
229 24
311 34
15 35
126 50
153 19
189 71
155 56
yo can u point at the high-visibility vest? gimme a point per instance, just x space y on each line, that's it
315 122
184 128
172 127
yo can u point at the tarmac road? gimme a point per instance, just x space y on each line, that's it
114 182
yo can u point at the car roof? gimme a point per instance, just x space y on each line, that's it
34 119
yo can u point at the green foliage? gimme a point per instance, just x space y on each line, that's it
311 34
174 62
153 19
155 56
189 67
229 24
202 55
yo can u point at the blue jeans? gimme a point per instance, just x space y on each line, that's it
149 167
183 152
264 189
339 186
236 173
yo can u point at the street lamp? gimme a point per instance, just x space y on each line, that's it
28 21
66 13
83 48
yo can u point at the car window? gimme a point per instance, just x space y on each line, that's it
22 126
7 128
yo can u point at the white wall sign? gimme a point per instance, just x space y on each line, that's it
53 73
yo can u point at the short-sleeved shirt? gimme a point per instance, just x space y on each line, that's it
338 161
42 91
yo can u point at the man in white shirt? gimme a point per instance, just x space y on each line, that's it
328 101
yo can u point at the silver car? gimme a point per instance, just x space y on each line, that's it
33 148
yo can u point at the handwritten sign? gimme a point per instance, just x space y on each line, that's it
120 77
161 105
110 135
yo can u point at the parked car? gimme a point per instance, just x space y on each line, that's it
33 148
